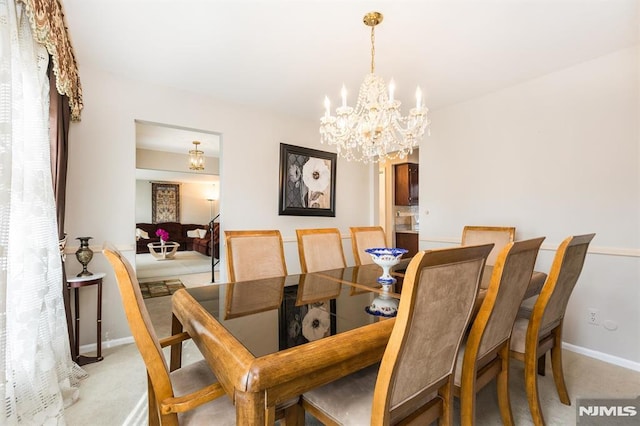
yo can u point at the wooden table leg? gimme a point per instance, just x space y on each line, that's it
250 408
294 415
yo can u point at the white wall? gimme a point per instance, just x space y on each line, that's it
101 180
554 156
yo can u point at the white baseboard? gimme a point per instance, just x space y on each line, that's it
92 347
611 359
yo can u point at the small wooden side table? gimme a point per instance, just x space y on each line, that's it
163 251
76 283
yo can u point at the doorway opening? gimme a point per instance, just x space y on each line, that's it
188 208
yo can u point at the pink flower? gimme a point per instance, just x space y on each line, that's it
164 235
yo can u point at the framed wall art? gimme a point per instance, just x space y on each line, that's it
165 202
307 182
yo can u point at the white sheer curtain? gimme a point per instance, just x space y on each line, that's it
37 377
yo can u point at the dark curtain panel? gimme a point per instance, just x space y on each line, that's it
59 118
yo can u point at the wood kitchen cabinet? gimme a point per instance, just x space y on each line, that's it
409 241
406 184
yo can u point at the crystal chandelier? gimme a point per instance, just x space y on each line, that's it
196 158
374 130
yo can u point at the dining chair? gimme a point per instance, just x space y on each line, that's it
187 395
320 249
254 254
500 236
538 328
415 377
484 354
364 237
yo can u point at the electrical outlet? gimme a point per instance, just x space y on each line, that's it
106 335
592 316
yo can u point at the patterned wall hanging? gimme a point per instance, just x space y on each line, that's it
165 202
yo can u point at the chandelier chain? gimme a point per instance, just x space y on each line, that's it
373 49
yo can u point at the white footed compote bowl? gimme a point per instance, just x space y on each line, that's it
384 305
386 258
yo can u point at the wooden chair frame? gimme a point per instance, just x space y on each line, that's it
537 344
163 405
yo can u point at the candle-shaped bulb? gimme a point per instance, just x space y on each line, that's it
343 92
392 89
418 98
327 106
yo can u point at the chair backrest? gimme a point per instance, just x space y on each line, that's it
439 291
320 249
550 307
254 254
140 323
500 236
509 280
364 237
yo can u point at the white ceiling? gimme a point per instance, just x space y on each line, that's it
162 137
286 55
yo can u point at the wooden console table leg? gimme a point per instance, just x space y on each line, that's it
99 323
76 283
76 304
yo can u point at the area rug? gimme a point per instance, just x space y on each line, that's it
160 288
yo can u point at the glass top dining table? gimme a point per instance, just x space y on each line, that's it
272 339
273 314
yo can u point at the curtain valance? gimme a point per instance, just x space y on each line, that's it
47 23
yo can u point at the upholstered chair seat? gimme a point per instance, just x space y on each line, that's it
196 376
349 397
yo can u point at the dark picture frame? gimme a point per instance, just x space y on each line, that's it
165 202
307 182
292 319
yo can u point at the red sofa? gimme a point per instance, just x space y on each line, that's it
178 233
204 245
